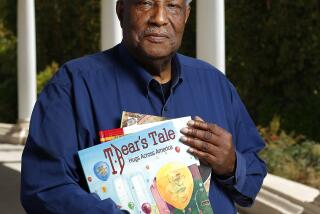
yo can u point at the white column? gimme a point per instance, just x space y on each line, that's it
211 32
26 59
111 33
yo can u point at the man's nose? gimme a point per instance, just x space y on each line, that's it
159 16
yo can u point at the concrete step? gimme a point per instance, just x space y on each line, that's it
13 134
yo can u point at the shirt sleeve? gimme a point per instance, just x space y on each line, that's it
51 177
250 171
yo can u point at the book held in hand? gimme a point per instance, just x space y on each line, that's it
148 171
134 119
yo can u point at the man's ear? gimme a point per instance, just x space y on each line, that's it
120 9
188 10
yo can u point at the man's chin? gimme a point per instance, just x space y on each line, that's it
158 53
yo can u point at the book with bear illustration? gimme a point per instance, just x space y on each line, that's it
147 171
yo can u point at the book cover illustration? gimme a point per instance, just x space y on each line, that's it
111 134
133 119
148 171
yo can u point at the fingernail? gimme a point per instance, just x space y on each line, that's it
190 150
184 130
183 139
190 123
198 118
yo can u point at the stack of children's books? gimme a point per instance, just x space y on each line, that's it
144 168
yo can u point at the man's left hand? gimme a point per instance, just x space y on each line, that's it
212 145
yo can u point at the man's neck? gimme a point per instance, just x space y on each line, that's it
159 69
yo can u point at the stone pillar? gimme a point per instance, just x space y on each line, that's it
111 33
211 32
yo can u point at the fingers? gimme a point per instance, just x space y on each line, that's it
211 144
203 156
200 145
202 135
200 124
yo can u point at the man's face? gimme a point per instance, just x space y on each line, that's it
153 28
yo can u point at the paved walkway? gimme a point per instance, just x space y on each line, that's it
10 165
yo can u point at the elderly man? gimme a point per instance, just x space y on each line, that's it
142 74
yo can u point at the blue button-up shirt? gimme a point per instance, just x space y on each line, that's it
89 94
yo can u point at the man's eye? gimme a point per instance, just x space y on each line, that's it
145 3
174 8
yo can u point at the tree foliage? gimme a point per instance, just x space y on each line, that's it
44 76
66 29
8 65
273 50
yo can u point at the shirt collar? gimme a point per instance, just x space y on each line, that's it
145 77
178 72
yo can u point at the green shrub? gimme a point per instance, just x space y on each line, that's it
8 76
291 156
44 76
